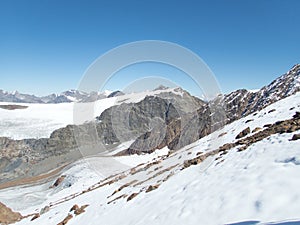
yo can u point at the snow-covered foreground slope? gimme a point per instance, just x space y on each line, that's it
40 120
259 184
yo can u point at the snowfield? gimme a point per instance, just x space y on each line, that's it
260 184
40 120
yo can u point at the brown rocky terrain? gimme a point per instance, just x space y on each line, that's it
13 107
7 216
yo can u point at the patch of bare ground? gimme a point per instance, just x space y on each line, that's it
222 134
58 181
7 216
33 180
107 181
78 210
144 168
295 137
122 187
220 162
156 175
117 198
279 127
256 129
66 219
133 195
152 187
155 169
13 107
35 216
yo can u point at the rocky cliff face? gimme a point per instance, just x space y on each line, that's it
129 121
216 113
242 102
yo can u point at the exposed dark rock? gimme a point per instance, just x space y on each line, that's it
152 187
132 196
247 121
267 125
74 208
222 134
256 129
297 115
66 220
78 210
295 137
272 110
115 94
58 181
243 133
37 215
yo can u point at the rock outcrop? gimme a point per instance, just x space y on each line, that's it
7 216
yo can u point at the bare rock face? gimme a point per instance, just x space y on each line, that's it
7 216
242 102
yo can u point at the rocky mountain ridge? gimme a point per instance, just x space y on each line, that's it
218 112
168 119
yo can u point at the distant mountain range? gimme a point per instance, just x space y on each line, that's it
67 96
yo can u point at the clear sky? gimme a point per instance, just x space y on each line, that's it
46 45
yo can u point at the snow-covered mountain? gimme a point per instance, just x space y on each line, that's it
233 160
150 120
64 97
232 176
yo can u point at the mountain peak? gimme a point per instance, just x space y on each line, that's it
161 87
295 67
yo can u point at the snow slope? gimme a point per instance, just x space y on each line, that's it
259 184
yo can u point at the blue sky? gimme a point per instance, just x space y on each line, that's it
46 45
